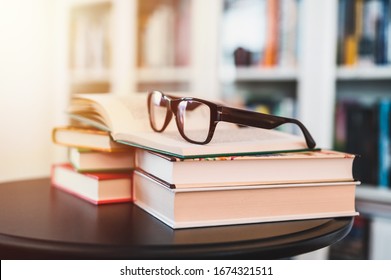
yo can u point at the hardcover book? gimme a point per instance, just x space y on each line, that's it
198 207
85 138
126 119
311 166
90 160
97 188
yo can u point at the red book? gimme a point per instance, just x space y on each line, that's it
97 188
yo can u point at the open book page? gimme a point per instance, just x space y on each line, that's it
241 141
126 117
119 113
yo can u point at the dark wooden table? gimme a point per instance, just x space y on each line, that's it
40 222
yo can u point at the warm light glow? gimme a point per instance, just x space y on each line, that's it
26 87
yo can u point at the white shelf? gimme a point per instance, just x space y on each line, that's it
373 201
164 74
248 74
85 76
87 2
364 73
374 193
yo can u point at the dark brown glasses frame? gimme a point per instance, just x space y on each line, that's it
225 114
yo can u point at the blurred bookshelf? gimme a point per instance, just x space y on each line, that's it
299 58
362 117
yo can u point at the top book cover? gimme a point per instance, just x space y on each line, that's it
126 118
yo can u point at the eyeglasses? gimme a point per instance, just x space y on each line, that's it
188 110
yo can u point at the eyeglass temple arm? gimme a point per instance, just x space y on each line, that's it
255 119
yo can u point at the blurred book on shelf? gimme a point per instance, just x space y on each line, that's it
90 50
271 37
363 32
363 128
272 33
164 31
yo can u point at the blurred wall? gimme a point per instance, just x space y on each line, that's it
26 88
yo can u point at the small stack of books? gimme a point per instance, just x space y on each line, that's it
98 169
244 189
245 175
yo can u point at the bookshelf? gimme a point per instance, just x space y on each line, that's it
362 84
126 66
310 87
139 45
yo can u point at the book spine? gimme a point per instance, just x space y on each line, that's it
341 32
288 33
388 32
350 39
384 142
370 32
361 124
182 31
271 48
380 34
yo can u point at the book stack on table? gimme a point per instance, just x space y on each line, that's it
245 175
244 189
98 169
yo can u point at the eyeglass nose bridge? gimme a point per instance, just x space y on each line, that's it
172 105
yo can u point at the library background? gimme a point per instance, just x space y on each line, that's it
326 63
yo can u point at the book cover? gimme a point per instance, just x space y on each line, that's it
126 118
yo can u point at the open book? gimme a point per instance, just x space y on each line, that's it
126 118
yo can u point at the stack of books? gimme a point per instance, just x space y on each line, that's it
244 189
98 169
244 175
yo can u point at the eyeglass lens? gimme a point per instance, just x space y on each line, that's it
193 117
158 110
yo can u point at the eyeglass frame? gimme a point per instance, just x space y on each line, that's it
226 114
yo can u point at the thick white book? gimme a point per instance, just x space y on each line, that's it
310 166
126 118
200 207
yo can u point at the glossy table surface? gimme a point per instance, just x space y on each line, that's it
38 221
